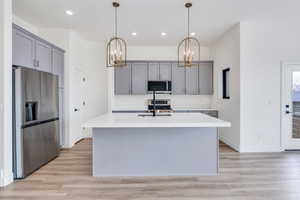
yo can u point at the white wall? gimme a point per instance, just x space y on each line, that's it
138 102
161 53
88 58
226 54
264 45
6 175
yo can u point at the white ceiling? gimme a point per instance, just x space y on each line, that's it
94 18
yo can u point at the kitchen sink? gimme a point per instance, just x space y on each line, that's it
157 115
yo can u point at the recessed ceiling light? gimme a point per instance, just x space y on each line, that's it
193 34
134 33
69 12
163 33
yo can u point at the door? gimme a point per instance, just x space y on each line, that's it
165 71
77 105
33 150
153 71
178 80
206 78
192 86
291 106
43 56
123 80
31 95
61 118
139 78
58 65
49 96
23 49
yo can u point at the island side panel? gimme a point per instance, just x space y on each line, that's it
155 151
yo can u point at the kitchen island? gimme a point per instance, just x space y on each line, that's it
183 144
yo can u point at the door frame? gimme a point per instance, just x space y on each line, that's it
283 135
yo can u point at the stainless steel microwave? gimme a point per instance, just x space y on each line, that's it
160 86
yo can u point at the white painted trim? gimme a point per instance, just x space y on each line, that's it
262 149
227 141
5 179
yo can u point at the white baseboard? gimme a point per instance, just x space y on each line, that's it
261 149
6 179
227 141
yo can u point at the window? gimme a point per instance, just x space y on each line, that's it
226 83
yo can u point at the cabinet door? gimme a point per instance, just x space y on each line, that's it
43 56
178 80
123 80
165 71
206 78
153 71
139 78
192 84
58 65
23 49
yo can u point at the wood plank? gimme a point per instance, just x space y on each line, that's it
249 176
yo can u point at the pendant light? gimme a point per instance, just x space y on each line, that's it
189 47
116 52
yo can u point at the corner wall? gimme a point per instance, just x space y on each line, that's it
226 54
6 175
265 44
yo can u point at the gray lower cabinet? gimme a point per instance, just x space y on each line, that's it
153 71
43 56
123 80
178 79
23 49
58 65
139 78
191 79
206 78
165 71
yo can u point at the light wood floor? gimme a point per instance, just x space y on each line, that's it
270 176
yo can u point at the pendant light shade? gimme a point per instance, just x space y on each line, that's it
116 51
189 47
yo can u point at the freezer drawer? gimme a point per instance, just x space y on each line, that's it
40 145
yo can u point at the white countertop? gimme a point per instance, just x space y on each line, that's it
132 120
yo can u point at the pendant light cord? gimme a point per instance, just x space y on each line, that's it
188 22
116 22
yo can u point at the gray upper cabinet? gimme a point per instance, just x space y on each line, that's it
33 52
196 80
191 79
58 65
178 80
123 80
153 71
139 78
165 71
23 49
43 54
206 78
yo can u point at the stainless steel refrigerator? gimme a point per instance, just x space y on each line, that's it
35 119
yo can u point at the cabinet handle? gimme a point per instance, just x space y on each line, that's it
38 63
